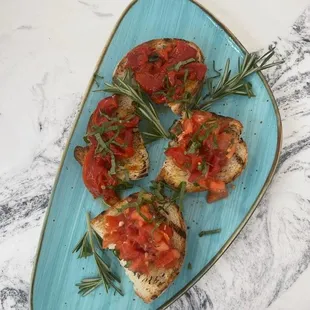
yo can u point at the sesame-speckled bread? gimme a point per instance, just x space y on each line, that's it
149 287
192 87
173 175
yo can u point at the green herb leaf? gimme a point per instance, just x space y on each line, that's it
106 148
128 264
195 145
86 139
122 186
83 246
209 232
209 130
153 57
177 66
215 143
189 266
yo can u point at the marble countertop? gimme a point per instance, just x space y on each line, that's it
48 50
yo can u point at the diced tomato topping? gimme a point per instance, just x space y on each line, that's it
197 70
114 222
203 149
139 240
150 82
177 153
182 51
201 117
132 123
107 106
166 258
162 246
188 126
117 136
96 175
215 196
160 69
137 57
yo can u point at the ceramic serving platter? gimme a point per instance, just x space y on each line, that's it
56 269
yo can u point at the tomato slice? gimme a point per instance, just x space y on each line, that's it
200 117
215 196
198 69
177 153
113 222
137 57
132 123
96 174
224 140
139 265
108 106
151 74
166 258
217 186
182 51
140 242
188 126
128 251
150 82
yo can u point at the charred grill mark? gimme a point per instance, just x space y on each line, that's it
239 160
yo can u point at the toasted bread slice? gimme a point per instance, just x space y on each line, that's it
192 87
173 175
149 287
137 166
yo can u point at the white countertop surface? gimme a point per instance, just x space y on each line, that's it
48 50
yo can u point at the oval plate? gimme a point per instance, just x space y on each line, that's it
57 270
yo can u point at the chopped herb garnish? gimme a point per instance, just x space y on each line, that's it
207 133
194 147
116 253
105 147
128 263
177 66
153 57
215 143
185 76
86 139
122 186
210 232
189 266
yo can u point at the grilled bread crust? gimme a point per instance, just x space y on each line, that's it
149 287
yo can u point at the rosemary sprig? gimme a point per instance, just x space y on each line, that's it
236 85
106 277
144 107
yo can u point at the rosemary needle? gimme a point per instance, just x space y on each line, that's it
236 85
106 277
144 107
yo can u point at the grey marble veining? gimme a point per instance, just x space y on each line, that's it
267 259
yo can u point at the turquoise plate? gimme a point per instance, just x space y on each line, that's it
57 270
